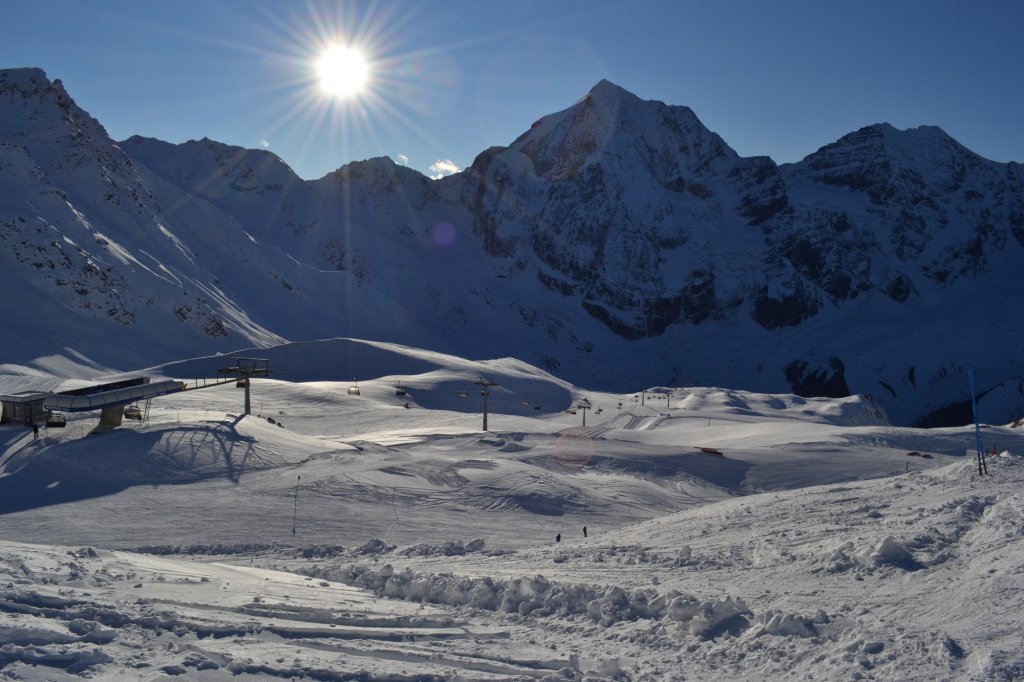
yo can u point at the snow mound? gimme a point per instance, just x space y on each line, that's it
430 379
712 619
889 552
855 410
449 548
606 606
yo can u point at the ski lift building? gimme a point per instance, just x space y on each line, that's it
22 408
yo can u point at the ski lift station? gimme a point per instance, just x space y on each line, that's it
109 399
119 399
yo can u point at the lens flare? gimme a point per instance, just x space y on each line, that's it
444 234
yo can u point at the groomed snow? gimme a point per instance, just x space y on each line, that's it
384 536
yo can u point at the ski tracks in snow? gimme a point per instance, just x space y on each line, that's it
152 615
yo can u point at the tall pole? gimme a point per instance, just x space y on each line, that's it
485 385
295 510
982 465
584 405
248 403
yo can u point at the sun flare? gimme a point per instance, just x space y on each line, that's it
342 71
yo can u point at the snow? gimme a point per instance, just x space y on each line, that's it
330 536
616 243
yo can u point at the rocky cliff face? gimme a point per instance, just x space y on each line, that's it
618 243
620 203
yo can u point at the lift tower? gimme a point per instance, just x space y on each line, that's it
485 391
244 369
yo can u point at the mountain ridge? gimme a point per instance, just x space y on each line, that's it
618 242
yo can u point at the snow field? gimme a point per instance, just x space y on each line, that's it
780 590
330 536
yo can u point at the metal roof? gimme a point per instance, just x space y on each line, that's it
119 396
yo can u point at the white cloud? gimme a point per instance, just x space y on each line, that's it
443 167
264 144
403 160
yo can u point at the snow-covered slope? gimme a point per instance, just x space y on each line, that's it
694 533
618 243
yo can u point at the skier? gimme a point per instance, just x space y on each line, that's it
35 430
584 531
558 538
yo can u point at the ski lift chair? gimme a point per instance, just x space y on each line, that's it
55 420
354 389
133 412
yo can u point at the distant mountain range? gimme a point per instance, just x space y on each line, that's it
618 244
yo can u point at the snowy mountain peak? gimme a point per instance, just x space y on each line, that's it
602 241
616 129
609 97
605 88
24 78
213 170
876 153
30 103
381 166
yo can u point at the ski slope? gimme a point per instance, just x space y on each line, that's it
385 536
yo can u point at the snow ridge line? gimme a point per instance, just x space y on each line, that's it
538 596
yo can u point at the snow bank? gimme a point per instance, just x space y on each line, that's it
449 548
889 552
61 657
539 596
853 410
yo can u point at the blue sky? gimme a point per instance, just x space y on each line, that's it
450 78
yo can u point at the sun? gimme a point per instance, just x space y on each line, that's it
342 71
